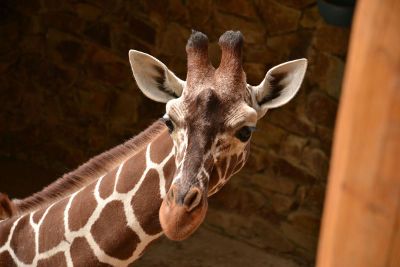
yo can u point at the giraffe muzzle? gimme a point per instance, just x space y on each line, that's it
182 211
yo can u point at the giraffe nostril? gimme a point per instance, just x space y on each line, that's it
171 195
192 199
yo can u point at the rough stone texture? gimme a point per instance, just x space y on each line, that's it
278 17
67 94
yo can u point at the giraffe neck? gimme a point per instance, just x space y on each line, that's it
109 221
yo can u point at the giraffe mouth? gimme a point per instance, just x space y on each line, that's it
181 216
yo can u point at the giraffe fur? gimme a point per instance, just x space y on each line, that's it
108 211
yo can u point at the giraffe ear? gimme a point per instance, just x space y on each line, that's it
279 86
154 79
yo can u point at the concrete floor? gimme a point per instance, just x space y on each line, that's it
207 248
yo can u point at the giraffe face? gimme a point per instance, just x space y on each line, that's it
212 140
211 133
210 117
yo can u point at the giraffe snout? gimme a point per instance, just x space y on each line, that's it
189 199
182 211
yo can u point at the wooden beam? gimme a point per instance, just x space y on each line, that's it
361 221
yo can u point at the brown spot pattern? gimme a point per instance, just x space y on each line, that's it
38 215
223 166
6 260
160 148
169 171
82 207
22 241
56 260
51 231
214 179
5 231
112 234
131 173
82 254
146 209
92 169
106 187
232 166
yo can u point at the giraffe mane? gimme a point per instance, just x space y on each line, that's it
89 171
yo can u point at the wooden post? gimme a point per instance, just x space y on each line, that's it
361 221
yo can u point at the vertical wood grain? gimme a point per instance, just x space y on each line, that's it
360 225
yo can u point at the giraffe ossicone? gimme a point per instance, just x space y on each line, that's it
110 209
211 116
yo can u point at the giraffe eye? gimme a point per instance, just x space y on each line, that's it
169 124
244 133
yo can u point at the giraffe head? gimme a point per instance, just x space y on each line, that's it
210 117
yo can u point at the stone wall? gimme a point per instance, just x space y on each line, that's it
67 94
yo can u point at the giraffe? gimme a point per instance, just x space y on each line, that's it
109 210
7 207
